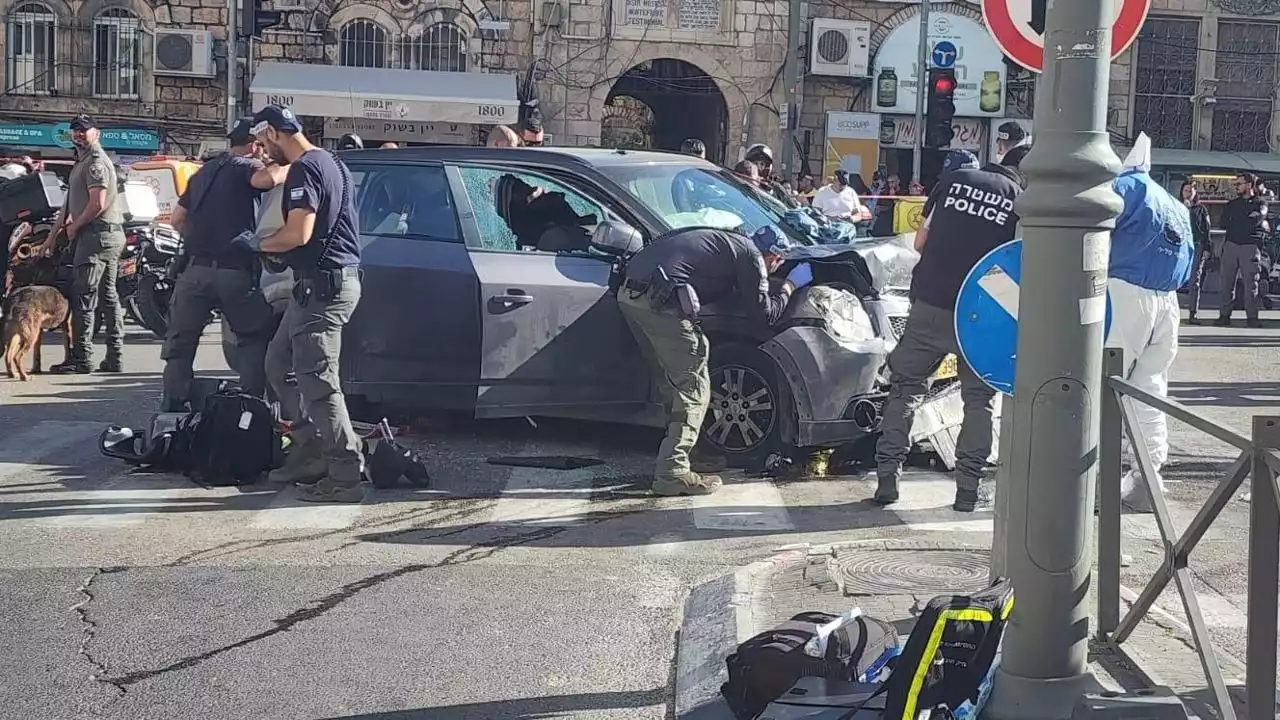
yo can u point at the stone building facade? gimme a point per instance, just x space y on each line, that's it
1202 78
65 57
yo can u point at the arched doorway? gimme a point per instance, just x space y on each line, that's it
685 102
627 123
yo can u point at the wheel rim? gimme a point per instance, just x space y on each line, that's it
742 410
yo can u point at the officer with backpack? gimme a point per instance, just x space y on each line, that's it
220 203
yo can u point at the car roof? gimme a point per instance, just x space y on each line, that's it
548 156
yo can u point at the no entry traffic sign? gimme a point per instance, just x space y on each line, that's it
1018 28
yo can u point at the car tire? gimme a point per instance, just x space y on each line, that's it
743 374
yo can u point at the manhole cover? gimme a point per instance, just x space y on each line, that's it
912 572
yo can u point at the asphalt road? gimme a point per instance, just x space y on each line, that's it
499 593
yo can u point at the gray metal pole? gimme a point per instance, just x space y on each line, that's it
233 56
1067 214
790 82
922 79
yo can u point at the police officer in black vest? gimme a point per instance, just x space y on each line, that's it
320 242
970 214
220 203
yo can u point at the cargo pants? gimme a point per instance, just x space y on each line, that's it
1245 261
308 343
200 289
678 352
929 337
97 261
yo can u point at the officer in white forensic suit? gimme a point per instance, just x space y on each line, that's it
1152 251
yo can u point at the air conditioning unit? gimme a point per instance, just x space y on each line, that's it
188 53
841 48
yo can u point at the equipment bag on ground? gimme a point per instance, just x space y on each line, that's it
232 439
950 656
235 438
850 647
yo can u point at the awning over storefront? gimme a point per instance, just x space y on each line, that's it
1259 163
387 94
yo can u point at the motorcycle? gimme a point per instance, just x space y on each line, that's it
159 258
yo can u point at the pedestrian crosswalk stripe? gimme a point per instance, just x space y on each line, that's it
131 500
925 506
742 505
22 453
544 496
287 512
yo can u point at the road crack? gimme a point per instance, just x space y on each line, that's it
317 608
89 630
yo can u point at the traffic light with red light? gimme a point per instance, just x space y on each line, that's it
940 108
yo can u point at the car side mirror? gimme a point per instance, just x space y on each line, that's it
616 239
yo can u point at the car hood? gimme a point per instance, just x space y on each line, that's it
889 261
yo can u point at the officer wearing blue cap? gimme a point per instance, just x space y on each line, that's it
320 242
220 203
666 284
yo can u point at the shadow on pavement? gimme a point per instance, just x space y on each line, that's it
647 520
540 707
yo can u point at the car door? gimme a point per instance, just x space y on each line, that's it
552 339
414 339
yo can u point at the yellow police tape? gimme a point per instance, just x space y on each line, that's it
908 214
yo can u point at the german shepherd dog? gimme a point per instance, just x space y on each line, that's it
32 310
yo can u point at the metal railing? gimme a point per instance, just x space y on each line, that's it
1258 460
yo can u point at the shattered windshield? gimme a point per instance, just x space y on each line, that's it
686 195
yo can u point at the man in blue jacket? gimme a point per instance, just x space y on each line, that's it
1152 250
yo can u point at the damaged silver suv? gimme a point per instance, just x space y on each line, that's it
483 294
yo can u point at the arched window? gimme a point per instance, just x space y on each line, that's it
117 54
443 47
30 60
363 43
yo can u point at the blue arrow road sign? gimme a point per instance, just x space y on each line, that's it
987 316
944 54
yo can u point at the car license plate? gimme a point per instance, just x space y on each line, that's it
950 368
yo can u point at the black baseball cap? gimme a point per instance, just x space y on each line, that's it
1011 132
277 116
240 133
82 123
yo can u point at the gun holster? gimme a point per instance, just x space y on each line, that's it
661 289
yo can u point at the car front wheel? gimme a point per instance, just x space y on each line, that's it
744 416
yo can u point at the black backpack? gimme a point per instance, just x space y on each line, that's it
950 655
766 666
232 440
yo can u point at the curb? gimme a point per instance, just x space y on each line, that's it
717 616
719 613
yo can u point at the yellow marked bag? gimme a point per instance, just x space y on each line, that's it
951 656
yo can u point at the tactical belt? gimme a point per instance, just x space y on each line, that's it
221 264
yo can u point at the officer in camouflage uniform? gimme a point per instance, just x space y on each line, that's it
93 221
